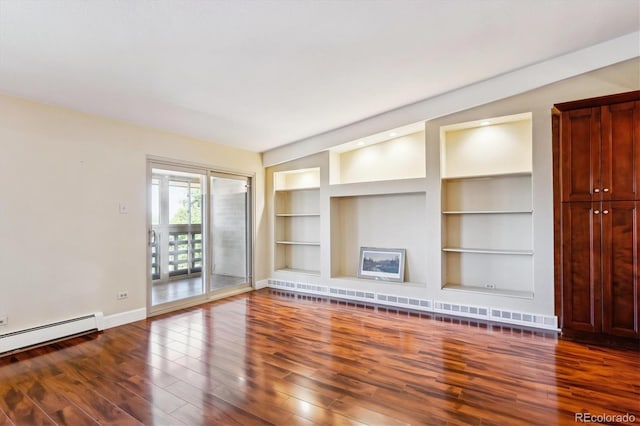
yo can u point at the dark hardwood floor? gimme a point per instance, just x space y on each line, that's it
272 357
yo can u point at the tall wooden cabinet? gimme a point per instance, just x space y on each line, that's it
597 219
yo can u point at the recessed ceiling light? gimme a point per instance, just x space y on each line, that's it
360 143
485 123
393 134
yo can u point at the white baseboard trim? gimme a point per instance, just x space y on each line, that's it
261 284
486 313
122 318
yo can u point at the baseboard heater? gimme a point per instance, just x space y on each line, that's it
23 339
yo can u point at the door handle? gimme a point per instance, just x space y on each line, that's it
152 237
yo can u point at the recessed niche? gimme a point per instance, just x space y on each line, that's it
500 145
387 156
297 179
385 221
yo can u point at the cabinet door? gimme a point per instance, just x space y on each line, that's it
621 151
580 155
620 268
581 273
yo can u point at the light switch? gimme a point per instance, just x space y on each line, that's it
123 208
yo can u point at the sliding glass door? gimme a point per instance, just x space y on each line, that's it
199 240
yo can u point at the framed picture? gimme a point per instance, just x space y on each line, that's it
381 264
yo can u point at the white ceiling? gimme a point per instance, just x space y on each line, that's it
260 74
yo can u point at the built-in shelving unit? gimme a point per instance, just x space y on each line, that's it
487 211
297 221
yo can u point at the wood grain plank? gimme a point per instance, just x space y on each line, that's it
155 394
91 402
4 420
21 410
57 407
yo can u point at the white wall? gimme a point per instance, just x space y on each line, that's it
64 248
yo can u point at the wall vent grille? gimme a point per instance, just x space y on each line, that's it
461 310
531 320
345 293
405 302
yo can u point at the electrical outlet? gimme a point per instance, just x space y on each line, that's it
490 286
4 320
122 295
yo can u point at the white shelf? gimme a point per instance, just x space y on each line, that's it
298 215
304 188
299 271
340 280
488 251
490 291
383 187
486 176
487 212
299 243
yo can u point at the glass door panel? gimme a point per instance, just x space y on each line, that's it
230 224
176 243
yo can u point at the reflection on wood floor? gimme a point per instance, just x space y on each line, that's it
272 357
189 287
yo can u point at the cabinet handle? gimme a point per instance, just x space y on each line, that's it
605 190
605 211
596 190
596 212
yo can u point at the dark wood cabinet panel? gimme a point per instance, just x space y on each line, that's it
620 151
581 266
620 268
580 154
600 153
